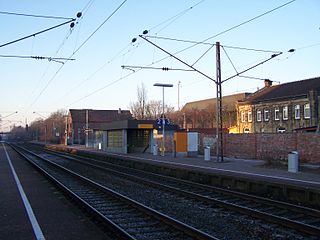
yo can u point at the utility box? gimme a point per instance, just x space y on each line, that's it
181 143
192 144
293 162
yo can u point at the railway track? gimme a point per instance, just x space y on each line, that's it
127 218
300 218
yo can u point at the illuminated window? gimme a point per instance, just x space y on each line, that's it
249 116
243 116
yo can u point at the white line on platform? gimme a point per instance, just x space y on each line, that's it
35 225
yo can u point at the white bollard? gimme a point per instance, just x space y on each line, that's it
293 162
207 153
155 150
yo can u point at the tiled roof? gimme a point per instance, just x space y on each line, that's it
284 91
228 102
99 116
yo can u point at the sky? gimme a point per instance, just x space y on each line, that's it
100 43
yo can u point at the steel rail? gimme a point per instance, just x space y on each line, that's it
188 230
284 221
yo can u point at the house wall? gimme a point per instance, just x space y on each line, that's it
272 125
243 122
280 123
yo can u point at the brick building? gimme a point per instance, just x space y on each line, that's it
280 108
202 114
82 121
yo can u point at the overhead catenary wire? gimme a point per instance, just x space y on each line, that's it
194 44
223 32
131 67
57 59
175 17
87 39
229 59
248 69
211 44
37 33
101 88
97 29
202 55
35 16
248 21
79 16
87 6
171 19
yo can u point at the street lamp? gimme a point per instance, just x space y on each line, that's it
163 85
45 127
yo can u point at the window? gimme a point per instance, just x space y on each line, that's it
243 116
277 114
306 111
266 115
258 115
249 116
139 138
115 139
297 111
285 113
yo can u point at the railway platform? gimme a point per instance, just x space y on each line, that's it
247 175
308 174
32 208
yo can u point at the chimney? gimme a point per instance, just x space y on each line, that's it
267 83
119 111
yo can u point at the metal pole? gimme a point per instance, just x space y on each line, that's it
179 96
163 123
45 134
66 132
217 122
219 106
163 85
87 128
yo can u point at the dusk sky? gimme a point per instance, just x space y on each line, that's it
101 42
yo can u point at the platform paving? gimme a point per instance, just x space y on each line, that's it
58 218
308 174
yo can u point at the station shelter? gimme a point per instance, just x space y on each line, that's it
126 136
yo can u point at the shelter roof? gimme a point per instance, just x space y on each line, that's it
99 116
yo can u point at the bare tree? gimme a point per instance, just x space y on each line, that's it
144 109
154 109
138 108
51 129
